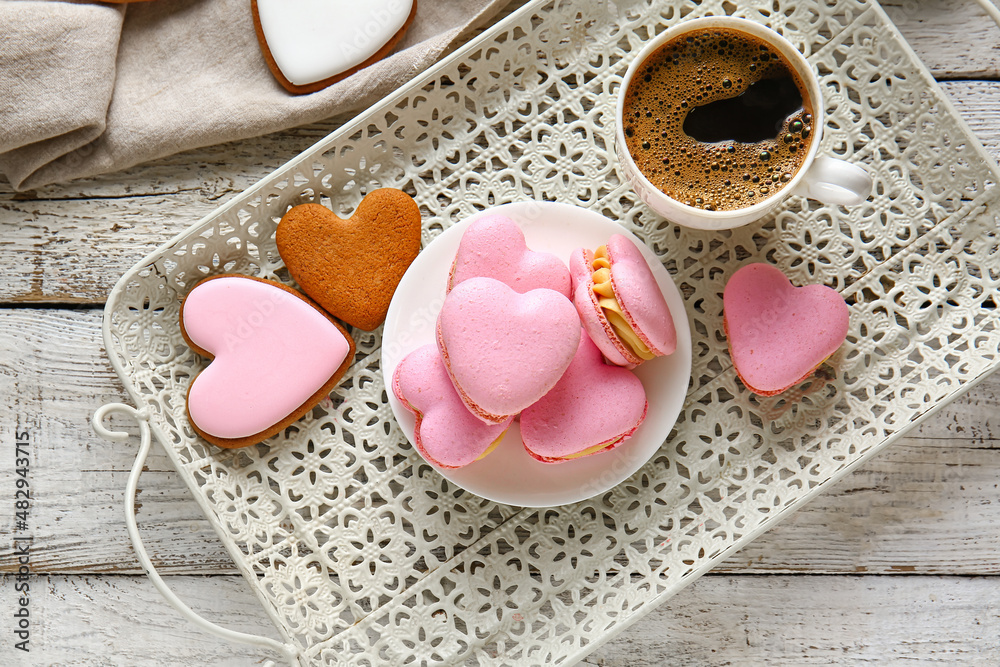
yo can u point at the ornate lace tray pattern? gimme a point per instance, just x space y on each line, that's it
362 554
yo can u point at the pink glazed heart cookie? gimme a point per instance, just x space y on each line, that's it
274 356
593 408
446 433
505 350
778 333
493 247
620 303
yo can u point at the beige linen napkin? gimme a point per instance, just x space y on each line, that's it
88 88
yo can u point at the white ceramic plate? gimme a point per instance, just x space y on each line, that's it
509 475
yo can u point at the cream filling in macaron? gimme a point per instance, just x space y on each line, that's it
593 450
492 446
612 309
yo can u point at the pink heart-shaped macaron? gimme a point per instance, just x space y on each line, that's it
274 356
778 333
593 408
505 350
446 433
621 304
493 247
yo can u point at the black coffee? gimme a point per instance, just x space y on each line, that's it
717 119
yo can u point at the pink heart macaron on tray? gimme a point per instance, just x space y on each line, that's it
360 550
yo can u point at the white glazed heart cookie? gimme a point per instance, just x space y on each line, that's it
310 44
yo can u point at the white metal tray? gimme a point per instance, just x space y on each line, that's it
362 554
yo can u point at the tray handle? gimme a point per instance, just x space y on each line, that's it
991 9
142 418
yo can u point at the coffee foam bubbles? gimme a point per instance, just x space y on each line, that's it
694 70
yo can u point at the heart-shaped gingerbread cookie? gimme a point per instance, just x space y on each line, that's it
494 247
446 433
592 409
505 350
274 356
778 333
310 44
352 267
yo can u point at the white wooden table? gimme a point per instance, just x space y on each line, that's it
898 564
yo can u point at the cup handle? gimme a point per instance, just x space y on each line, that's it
834 181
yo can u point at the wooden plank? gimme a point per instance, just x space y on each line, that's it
978 103
797 621
718 620
931 27
927 505
105 620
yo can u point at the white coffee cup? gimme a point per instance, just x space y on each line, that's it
823 178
